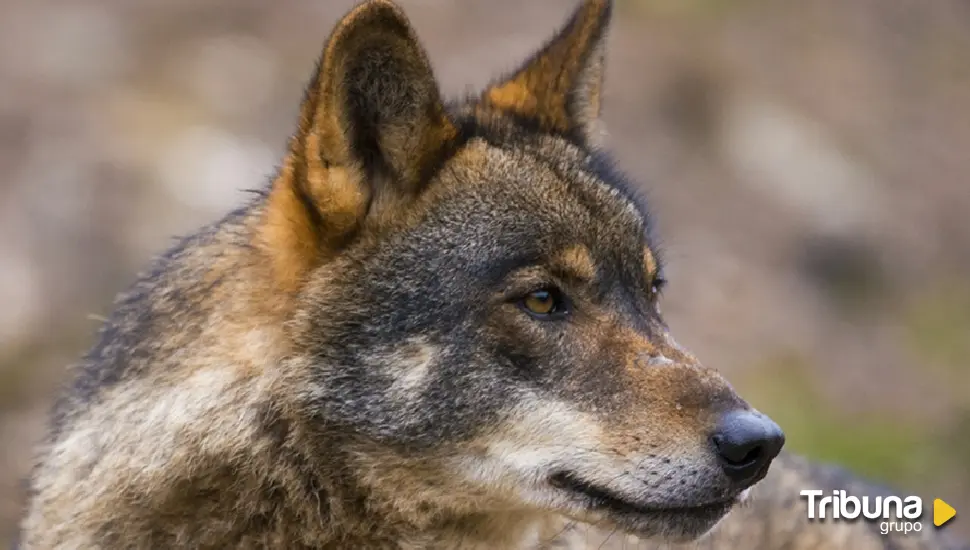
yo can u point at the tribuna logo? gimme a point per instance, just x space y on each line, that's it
896 514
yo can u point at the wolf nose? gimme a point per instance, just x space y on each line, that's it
747 442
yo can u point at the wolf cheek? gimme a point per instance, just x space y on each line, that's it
371 353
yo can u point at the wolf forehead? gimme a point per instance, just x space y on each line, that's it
573 193
499 206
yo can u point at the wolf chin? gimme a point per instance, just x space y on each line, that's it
436 327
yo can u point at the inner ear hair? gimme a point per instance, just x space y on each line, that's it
559 88
372 127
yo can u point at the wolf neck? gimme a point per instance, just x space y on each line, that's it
331 503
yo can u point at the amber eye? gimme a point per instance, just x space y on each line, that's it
543 303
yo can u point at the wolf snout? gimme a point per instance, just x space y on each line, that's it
746 442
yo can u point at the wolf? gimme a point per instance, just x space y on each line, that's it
437 326
775 518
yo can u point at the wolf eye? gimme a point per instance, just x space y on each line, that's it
544 303
657 286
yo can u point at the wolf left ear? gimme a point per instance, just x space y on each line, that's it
559 87
372 126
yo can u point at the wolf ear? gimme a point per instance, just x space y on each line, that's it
559 87
372 124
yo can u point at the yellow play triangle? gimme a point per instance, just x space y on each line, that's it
942 512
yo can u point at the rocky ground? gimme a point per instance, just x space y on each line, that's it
807 163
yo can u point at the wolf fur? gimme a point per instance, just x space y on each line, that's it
348 360
775 518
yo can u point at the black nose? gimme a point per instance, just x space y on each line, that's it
746 443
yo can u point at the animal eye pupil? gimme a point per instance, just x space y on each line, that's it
541 302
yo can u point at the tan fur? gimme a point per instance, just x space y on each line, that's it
560 86
344 362
649 262
332 178
577 261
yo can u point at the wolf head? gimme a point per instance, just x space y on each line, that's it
474 296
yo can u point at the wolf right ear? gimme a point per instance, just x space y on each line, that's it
372 125
559 88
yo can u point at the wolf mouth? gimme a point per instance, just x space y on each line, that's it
606 500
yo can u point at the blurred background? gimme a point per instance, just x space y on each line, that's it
808 163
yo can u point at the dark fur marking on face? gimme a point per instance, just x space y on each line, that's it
343 362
